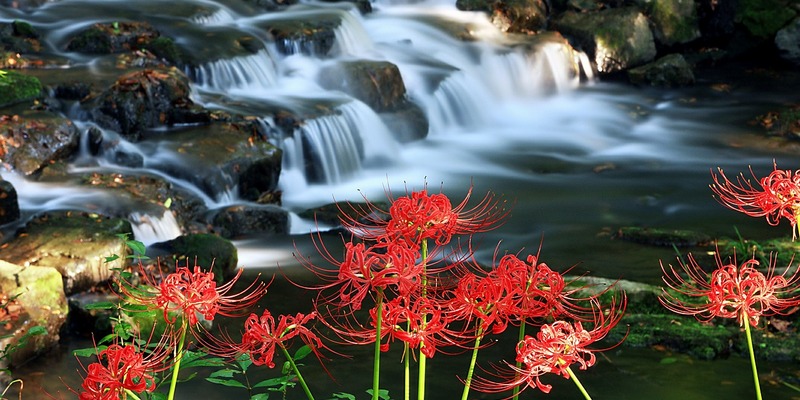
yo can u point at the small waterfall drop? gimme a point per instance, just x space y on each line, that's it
256 71
150 229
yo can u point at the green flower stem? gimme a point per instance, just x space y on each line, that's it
376 363
475 348
297 372
176 368
422 358
422 363
520 337
752 354
407 375
128 392
578 384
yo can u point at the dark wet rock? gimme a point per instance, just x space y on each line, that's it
74 243
85 320
16 87
376 83
142 100
121 37
407 122
363 6
203 250
312 34
663 237
19 37
9 206
30 143
717 21
143 198
223 157
667 71
272 5
42 307
515 16
72 90
787 40
764 18
235 221
615 39
674 21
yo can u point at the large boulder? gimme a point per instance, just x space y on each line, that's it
615 39
17 87
74 243
142 100
36 140
235 221
39 306
19 37
208 251
674 21
376 83
310 33
119 37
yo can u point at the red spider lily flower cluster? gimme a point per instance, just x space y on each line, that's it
732 291
775 196
192 294
123 368
554 349
262 335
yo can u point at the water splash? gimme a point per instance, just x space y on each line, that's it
149 229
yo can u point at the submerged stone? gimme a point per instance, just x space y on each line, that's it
31 142
668 71
208 251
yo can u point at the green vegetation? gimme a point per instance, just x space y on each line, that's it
16 87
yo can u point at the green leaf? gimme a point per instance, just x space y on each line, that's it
88 352
287 368
168 202
224 373
36 330
260 396
200 359
111 258
382 393
158 396
302 352
188 378
668 360
342 395
227 382
244 362
101 305
274 382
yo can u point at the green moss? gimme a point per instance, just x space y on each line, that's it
763 18
16 87
164 47
663 237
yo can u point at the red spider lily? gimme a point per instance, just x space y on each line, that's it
419 216
194 293
365 269
122 368
732 291
554 349
262 335
479 298
419 322
775 196
536 291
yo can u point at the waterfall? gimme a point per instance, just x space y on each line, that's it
150 229
256 71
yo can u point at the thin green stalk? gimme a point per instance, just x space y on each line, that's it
297 372
752 354
520 337
407 369
128 392
376 363
422 358
475 348
578 384
176 368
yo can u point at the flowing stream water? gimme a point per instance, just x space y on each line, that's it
578 158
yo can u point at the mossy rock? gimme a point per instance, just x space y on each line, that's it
763 18
681 334
204 250
16 87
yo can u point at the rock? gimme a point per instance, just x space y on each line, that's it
16 87
40 295
222 157
674 21
763 18
662 237
363 6
513 16
407 122
376 83
615 39
235 221
30 143
74 243
668 71
147 99
716 20
120 37
205 250
313 34
272 5
787 40
19 37
9 206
